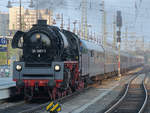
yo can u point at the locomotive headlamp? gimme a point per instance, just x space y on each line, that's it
18 67
57 67
38 36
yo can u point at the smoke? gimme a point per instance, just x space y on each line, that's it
52 4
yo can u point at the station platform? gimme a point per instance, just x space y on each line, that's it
6 84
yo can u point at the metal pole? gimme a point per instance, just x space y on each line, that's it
119 25
119 73
62 22
119 60
49 16
74 23
105 43
114 35
20 16
37 7
7 49
84 20
68 24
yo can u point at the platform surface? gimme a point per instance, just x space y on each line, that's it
6 82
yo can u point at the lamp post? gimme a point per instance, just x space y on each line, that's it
68 28
27 23
88 31
62 21
74 24
49 11
20 5
104 31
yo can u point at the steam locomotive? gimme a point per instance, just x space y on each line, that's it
57 62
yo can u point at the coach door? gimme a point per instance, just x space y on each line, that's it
84 62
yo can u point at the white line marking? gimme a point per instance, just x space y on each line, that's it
82 108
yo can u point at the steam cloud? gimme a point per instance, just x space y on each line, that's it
52 4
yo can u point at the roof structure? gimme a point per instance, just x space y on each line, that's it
92 46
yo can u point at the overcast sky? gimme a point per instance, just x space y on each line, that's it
136 13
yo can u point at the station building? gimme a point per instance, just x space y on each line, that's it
28 17
4 24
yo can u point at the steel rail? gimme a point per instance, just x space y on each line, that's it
122 98
146 98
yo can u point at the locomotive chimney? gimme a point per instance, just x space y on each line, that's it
42 22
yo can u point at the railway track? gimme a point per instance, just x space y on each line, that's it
24 107
134 99
147 82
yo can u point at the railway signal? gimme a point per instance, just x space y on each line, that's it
119 25
119 19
